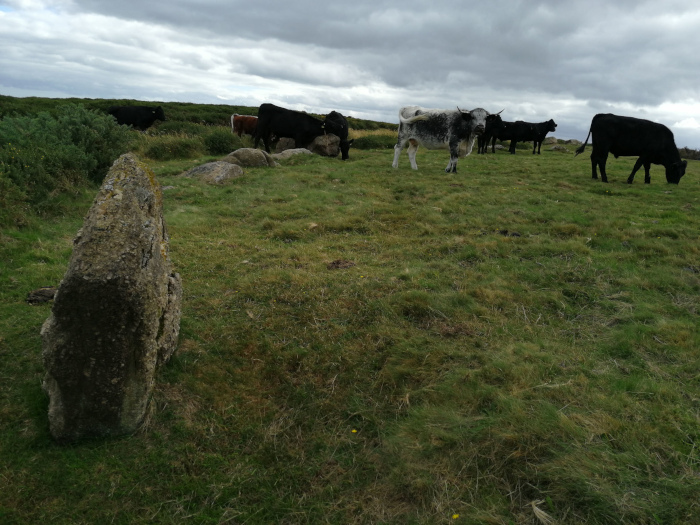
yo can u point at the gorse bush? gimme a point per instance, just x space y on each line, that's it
45 155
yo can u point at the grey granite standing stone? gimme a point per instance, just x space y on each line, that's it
116 315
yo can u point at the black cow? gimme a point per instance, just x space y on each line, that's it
629 137
140 117
494 125
303 128
521 131
505 131
339 123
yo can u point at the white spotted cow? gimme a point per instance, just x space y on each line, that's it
438 129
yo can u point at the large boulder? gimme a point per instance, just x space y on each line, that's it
215 172
327 145
284 144
250 158
288 153
116 314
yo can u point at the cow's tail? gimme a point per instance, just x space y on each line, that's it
414 118
582 147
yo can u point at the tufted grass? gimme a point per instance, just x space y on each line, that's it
367 345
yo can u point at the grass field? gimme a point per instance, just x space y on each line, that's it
511 344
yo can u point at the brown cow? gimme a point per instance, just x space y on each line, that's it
243 124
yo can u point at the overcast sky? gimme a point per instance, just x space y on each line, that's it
535 60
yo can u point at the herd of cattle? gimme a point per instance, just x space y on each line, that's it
653 143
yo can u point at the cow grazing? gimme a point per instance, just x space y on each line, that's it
520 131
140 117
339 124
303 128
438 129
494 124
629 137
241 124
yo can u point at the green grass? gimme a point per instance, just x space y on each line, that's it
510 334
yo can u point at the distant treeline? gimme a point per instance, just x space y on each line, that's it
690 154
207 114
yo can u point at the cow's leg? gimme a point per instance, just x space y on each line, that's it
483 143
511 149
647 177
397 152
594 163
493 145
534 147
454 157
266 141
599 160
637 165
299 141
412 148
603 174
452 165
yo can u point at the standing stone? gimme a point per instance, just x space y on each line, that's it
116 315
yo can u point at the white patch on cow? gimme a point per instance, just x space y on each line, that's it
438 129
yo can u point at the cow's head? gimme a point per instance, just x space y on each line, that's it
675 171
551 125
494 121
338 125
159 113
476 118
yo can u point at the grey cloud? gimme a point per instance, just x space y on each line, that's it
371 56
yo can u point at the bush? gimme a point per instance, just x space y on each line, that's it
45 155
688 153
221 142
